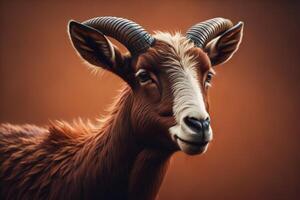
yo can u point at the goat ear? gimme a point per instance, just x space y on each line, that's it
96 49
222 48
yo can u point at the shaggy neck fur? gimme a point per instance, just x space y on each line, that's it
80 161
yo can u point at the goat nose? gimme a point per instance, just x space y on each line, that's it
197 125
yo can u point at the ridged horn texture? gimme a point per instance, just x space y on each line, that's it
204 32
130 34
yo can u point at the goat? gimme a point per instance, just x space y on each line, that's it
162 108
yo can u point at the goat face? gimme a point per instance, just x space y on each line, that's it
169 76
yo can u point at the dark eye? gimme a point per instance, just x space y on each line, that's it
143 76
208 78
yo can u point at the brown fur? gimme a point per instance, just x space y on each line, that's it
80 161
124 158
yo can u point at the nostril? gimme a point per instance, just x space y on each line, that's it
207 119
206 123
193 123
196 124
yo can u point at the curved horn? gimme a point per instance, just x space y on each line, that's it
127 32
204 32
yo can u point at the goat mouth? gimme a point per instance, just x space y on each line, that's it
191 142
191 147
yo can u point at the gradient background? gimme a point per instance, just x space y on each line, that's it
254 99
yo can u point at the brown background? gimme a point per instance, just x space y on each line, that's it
254 101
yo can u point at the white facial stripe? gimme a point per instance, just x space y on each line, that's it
188 99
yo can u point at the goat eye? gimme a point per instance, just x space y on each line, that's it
208 79
143 76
